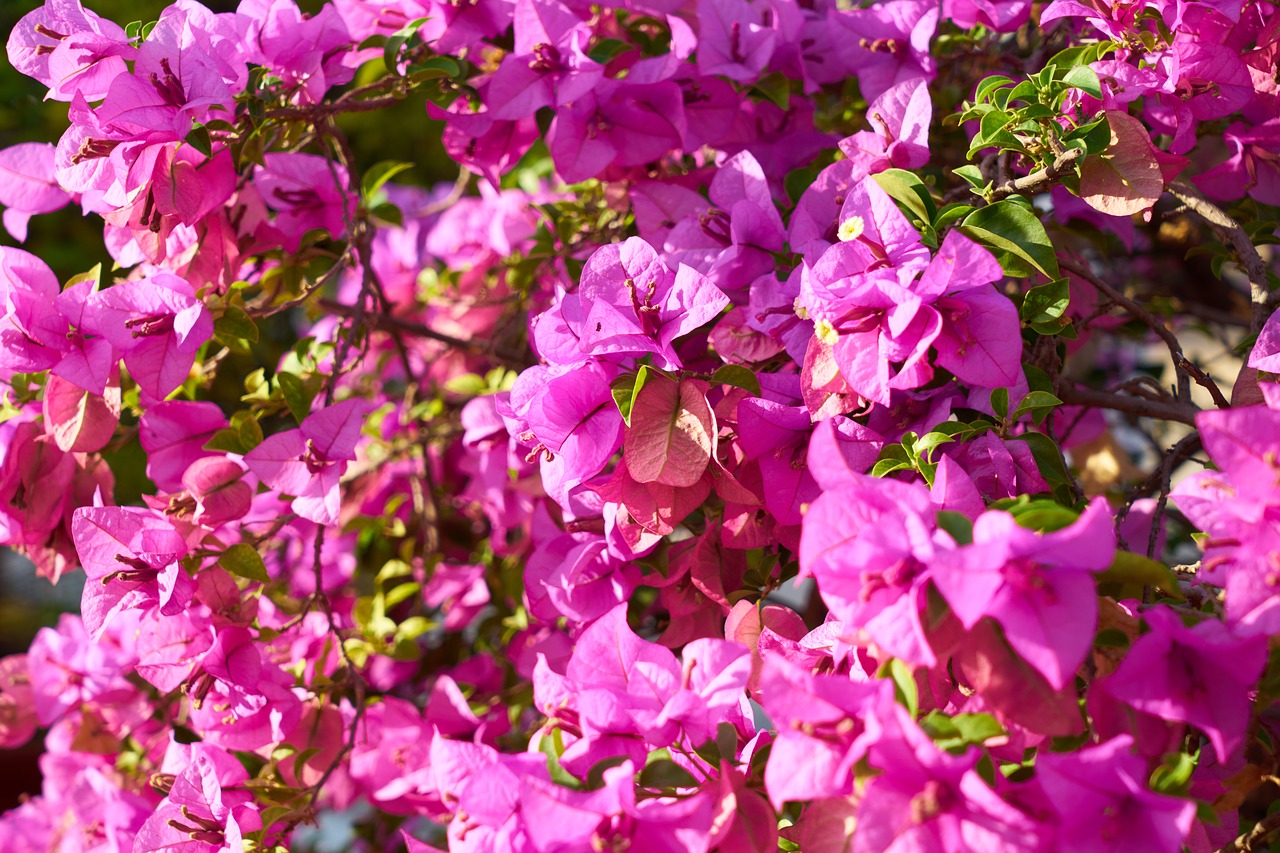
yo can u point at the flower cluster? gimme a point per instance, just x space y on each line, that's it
738 456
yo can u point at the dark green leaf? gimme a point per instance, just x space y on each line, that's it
199 139
235 323
1038 404
1048 459
1047 302
958 525
296 395
1012 229
955 211
1000 403
664 774
776 88
607 49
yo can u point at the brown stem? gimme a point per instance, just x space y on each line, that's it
1137 406
1041 178
389 323
1151 321
1232 232
1262 832
351 102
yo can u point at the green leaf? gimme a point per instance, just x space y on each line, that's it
388 213
607 49
595 776
397 41
553 747
1026 91
904 684
1174 775
378 174
1049 460
226 440
955 211
909 192
958 525
1085 79
1079 55
434 68
930 440
971 175
1038 404
665 774
243 560
1112 638
624 393
1047 302
1012 230
1130 572
235 324
1043 516
199 139
296 395
1000 403
247 429
988 84
993 130
776 88
727 741
958 732
894 457
737 376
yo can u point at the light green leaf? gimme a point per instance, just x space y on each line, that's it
243 560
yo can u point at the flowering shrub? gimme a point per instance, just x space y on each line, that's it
733 459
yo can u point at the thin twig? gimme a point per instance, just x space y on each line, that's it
1137 406
351 102
1233 232
1040 179
389 323
1263 831
1151 321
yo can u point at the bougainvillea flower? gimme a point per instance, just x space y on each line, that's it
27 186
158 324
927 799
1039 587
1201 675
633 304
1101 799
131 557
308 462
207 809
